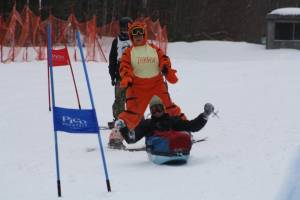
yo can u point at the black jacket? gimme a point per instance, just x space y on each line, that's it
147 127
114 64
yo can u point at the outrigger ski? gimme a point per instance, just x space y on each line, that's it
199 140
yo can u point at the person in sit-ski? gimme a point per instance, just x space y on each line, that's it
142 70
162 121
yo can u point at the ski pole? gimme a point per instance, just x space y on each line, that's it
215 114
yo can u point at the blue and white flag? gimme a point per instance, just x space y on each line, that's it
75 120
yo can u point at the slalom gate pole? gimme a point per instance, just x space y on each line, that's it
99 46
48 76
74 82
93 106
53 105
76 90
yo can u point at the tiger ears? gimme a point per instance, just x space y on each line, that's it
137 24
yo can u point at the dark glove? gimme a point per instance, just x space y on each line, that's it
208 109
113 79
113 82
164 70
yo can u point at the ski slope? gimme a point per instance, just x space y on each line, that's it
249 154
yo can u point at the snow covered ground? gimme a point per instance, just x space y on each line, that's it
248 155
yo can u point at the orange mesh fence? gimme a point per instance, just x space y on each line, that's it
10 37
23 37
2 33
157 34
111 30
38 38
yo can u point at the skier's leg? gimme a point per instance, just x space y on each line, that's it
119 103
115 102
115 138
136 103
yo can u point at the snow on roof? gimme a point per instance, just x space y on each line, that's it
286 11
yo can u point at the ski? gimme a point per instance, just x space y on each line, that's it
141 148
129 149
109 126
135 149
144 148
104 128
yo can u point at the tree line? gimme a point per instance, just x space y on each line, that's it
187 20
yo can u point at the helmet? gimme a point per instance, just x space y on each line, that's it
155 101
156 105
124 21
135 25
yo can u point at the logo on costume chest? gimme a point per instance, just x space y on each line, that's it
145 60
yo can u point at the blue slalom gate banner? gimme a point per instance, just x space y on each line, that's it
78 121
75 120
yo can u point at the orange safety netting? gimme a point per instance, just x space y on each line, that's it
23 37
157 34
2 33
12 32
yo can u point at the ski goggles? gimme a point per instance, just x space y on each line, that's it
158 108
137 31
